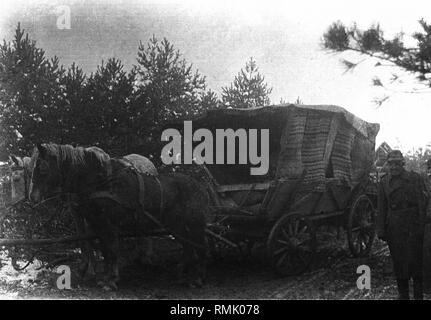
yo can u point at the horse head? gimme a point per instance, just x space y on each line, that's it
59 169
21 174
45 179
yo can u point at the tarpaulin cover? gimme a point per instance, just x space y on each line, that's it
315 142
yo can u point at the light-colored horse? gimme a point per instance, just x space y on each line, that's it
21 176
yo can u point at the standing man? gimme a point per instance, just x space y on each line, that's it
427 236
400 222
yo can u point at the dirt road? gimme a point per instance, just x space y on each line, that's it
333 277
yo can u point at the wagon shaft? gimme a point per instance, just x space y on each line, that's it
43 242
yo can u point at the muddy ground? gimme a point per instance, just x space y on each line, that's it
333 276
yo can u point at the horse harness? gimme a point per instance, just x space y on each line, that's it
142 185
141 192
110 195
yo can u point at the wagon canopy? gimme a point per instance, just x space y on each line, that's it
317 142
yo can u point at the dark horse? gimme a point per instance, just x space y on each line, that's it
115 198
22 168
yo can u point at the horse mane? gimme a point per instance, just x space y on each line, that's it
69 158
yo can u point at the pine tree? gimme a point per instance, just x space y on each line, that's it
167 86
209 100
108 104
73 119
248 89
414 59
29 91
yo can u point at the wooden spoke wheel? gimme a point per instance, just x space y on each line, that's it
291 245
360 226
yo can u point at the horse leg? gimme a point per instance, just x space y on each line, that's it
201 254
146 251
149 252
110 247
194 255
194 263
178 229
187 258
198 244
87 267
99 220
110 253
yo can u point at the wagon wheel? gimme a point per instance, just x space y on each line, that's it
360 226
291 245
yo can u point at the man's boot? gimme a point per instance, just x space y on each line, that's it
403 289
418 292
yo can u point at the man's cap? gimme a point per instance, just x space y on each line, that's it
395 155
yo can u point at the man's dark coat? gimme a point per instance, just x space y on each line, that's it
400 221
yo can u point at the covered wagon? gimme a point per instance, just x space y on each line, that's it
320 160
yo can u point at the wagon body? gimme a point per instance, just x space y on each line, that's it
320 163
313 149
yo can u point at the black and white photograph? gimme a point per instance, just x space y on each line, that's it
227 151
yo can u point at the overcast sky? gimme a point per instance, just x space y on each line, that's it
219 36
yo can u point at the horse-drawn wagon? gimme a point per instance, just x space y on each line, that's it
320 160
320 167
